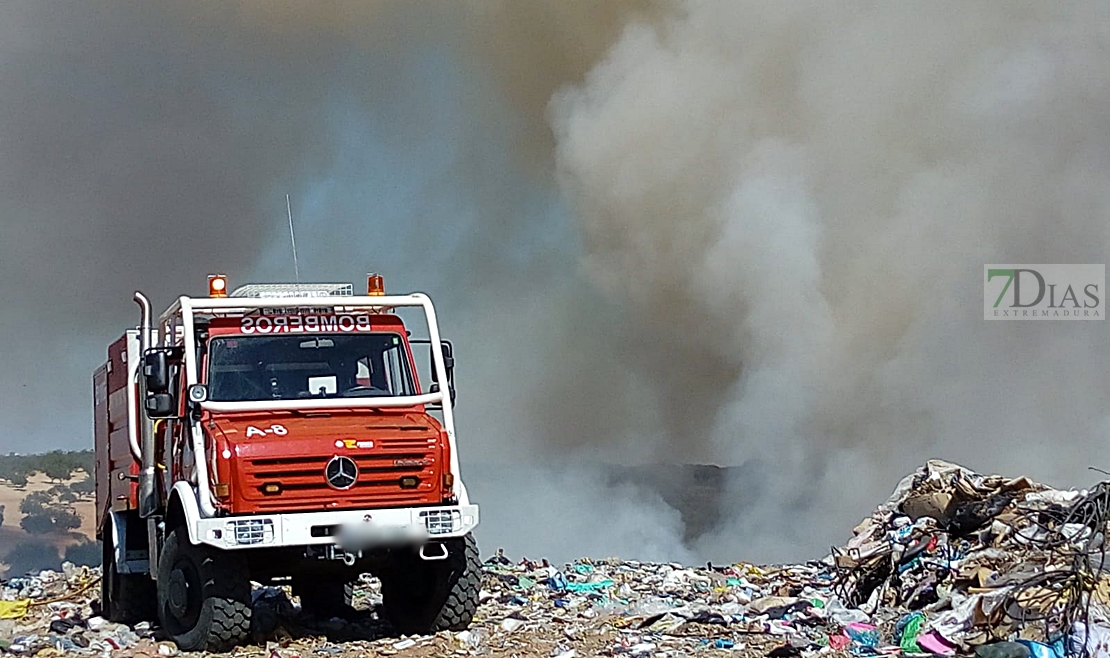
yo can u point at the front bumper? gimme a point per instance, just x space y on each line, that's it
354 529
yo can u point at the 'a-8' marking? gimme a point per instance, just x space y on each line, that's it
276 430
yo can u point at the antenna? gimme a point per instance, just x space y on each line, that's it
292 238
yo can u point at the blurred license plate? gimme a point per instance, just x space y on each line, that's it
359 536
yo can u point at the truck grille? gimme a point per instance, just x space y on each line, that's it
396 472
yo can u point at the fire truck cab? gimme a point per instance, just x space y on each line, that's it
280 433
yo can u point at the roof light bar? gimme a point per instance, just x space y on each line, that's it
295 290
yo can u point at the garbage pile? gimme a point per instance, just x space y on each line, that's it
954 563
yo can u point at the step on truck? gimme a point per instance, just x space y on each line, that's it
280 434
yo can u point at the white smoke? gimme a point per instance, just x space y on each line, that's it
564 511
805 194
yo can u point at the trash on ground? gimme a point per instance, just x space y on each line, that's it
954 563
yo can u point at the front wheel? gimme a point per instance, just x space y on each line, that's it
204 595
427 596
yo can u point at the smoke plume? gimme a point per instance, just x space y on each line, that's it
795 202
659 232
144 145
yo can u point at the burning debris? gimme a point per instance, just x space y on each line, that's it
953 563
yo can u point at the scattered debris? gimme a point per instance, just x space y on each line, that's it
954 563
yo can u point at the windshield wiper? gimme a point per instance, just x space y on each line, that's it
365 392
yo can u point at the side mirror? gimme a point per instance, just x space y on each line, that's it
156 370
449 366
198 393
448 357
449 362
434 388
160 405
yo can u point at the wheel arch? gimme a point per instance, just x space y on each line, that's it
124 534
111 532
182 510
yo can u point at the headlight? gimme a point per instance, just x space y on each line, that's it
442 522
246 532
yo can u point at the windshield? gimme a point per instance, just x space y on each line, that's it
251 368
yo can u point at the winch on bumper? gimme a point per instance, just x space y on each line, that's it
351 529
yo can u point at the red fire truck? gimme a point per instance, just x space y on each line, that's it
280 434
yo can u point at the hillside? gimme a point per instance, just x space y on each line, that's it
12 535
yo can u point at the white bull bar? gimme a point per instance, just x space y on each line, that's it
187 307
370 528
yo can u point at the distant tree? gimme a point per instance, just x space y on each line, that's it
57 466
32 556
85 461
35 502
85 553
85 487
81 461
62 493
13 471
66 519
46 512
37 524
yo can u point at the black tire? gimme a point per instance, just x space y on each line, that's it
125 598
204 595
427 596
324 598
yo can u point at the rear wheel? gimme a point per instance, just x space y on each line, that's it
427 596
204 595
124 598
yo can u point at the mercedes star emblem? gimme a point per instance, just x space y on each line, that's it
341 472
